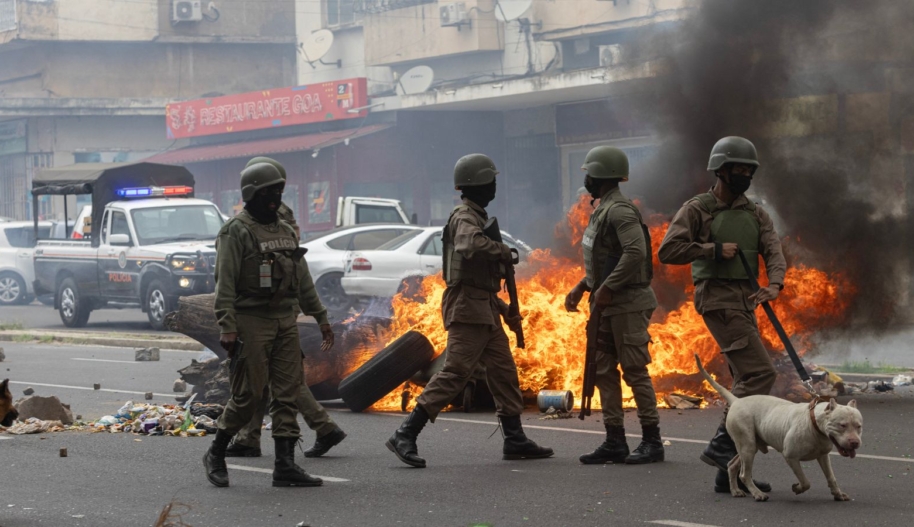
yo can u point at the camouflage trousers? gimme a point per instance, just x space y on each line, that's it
270 358
622 341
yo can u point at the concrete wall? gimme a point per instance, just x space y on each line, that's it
587 17
132 70
239 20
415 33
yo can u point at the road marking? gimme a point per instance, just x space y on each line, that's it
270 471
90 389
676 523
5 438
637 436
108 360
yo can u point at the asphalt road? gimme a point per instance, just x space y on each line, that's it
121 479
40 316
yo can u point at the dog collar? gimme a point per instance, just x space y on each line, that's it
812 416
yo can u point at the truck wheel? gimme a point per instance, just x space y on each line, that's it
157 305
12 289
387 370
330 291
74 309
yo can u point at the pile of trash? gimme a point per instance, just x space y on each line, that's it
157 420
829 384
33 425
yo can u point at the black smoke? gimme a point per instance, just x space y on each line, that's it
834 165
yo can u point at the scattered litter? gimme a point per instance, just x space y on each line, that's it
44 408
35 426
147 354
78 516
681 401
148 396
880 386
667 443
28 391
901 380
553 413
63 452
179 386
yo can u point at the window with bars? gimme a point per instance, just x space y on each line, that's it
340 12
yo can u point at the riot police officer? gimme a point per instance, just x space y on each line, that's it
619 267
707 232
261 277
472 312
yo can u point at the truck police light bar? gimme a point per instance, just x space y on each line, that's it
149 192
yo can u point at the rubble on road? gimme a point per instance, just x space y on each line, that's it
179 386
35 426
2 355
681 401
147 355
210 379
44 409
157 420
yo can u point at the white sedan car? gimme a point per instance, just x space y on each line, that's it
380 272
327 253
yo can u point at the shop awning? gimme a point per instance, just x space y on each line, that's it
295 143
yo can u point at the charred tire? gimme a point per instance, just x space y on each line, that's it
157 305
73 308
387 370
12 290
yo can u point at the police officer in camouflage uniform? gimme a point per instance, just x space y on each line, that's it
707 232
472 312
261 277
247 441
617 258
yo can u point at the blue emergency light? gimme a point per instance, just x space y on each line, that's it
147 192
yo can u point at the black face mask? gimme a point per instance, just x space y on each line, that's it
739 183
592 186
260 206
482 195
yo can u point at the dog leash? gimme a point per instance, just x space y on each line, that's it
791 352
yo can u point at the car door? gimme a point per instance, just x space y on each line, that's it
115 279
430 254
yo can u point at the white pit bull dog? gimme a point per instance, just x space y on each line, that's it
799 431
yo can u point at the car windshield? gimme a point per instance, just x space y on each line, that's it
399 241
174 224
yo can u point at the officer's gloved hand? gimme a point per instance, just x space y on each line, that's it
513 322
327 334
227 341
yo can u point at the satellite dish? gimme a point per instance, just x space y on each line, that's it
317 45
508 10
416 80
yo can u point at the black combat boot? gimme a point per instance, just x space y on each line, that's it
285 472
214 460
651 448
517 446
403 442
324 443
722 483
238 450
613 450
720 450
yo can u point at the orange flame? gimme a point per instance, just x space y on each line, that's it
555 339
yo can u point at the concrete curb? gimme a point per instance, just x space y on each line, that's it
171 342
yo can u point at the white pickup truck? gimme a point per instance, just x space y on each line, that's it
358 211
151 242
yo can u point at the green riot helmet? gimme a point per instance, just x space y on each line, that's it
275 163
474 170
733 150
256 177
606 162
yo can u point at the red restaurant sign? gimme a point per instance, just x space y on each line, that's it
327 101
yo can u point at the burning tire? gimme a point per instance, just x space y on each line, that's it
387 370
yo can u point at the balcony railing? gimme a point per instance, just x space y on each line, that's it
380 6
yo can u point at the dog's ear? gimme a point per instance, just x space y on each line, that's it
852 403
832 404
3 385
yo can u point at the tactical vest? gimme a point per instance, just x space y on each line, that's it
274 273
603 258
475 272
739 226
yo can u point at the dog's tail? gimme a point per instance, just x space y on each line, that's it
725 393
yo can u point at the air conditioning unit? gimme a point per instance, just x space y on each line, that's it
454 14
186 11
610 55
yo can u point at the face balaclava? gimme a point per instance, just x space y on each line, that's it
265 203
739 183
481 195
592 186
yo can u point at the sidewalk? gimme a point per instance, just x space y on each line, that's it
172 341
